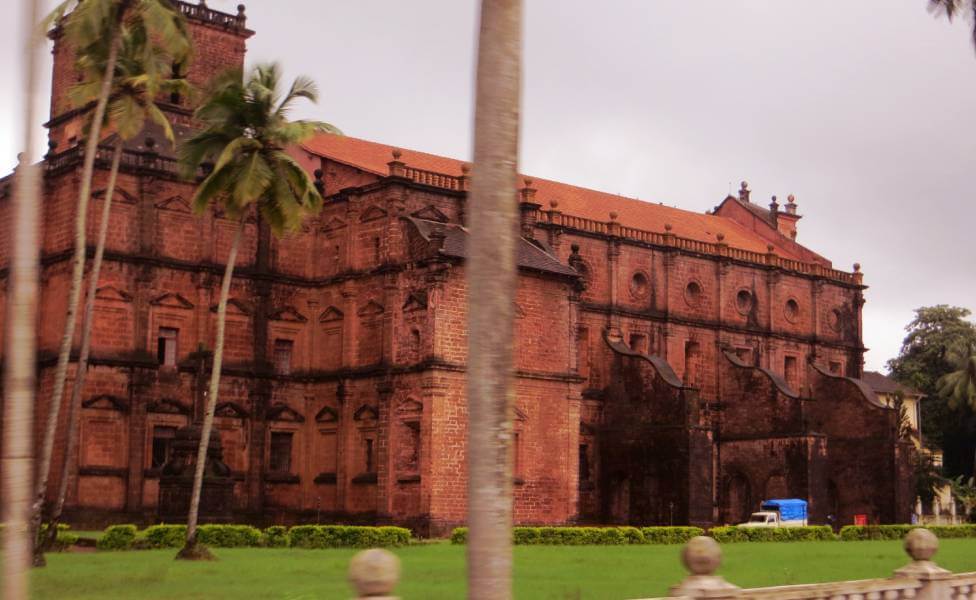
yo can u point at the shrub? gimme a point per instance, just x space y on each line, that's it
459 535
345 536
565 536
669 535
117 537
276 537
850 533
229 536
165 536
732 534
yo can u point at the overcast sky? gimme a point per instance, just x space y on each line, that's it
863 109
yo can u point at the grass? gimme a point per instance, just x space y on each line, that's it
436 571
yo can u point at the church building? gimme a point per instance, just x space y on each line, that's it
672 367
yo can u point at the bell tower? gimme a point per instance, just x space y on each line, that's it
219 44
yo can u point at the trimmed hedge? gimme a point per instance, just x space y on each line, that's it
853 533
229 536
164 536
670 535
276 537
117 537
591 536
347 536
731 534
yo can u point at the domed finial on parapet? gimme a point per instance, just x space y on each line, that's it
554 204
720 237
921 545
770 248
702 557
528 182
465 168
397 153
240 12
667 227
774 205
613 215
791 204
857 267
374 573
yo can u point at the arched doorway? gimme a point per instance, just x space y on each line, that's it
738 499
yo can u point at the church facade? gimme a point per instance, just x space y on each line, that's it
671 366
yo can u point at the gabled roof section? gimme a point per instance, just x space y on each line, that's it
883 384
530 256
572 200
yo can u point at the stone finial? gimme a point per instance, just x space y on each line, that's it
774 205
720 237
574 248
744 191
319 184
528 182
770 248
613 215
554 204
857 267
374 573
921 545
465 168
667 227
702 557
240 10
397 153
51 147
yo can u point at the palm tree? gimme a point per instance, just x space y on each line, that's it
246 131
142 72
491 270
952 8
959 386
89 25
20 347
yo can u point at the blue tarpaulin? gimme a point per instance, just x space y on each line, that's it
791 509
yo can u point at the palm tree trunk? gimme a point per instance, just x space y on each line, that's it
74 404
17 464
77 275
491 270
190 550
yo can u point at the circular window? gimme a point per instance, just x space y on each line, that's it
639 285
791 310
744 301
693 293
834 319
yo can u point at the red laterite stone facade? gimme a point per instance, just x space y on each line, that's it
672 367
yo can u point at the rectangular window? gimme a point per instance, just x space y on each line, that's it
161 445
282 356
584 462
789 371
166 346
370 466
280 458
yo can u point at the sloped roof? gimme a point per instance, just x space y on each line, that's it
572 200
882 384
529 255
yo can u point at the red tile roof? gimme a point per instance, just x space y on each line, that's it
572 200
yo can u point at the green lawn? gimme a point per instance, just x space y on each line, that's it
436 571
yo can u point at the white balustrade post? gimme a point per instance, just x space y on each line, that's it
921 545
374 574
702 557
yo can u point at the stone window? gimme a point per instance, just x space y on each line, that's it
744 301
162 445
166 346
280 452
282 356
791 310
369 457
639 285
790 371
693 294
692 363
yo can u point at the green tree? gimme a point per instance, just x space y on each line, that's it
246 133
958 387
491 282
934 335
89 26
20 350
143 71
